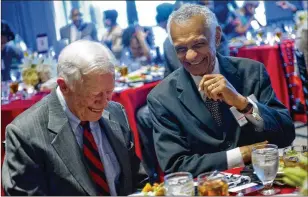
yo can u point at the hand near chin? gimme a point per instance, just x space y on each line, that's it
217 87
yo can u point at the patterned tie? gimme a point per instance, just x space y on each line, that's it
213 107
93 160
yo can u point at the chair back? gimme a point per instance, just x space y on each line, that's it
303 72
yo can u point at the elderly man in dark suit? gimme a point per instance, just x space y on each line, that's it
75 141
78 29
211 112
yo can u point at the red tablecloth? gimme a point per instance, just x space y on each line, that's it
283 189
270 57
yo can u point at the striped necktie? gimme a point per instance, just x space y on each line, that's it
93 160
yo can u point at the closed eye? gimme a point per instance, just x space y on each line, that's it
199 45
180 49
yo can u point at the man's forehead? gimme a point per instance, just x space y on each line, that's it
193 28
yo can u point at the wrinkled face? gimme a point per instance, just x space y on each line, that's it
89 99
76 17
135 48
195 45
4 40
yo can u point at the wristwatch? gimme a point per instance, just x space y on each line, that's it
247 109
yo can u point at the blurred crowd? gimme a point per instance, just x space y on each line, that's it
135 46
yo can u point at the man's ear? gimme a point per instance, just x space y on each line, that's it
63 85
218 33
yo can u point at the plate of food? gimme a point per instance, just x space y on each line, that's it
151 190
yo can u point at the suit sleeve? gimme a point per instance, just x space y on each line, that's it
62 33
172 147
94 33
21 173
278 125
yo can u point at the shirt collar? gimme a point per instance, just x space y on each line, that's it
197 79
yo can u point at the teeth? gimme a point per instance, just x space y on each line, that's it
95 110
196 62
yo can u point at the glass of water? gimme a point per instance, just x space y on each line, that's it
179 184
265 161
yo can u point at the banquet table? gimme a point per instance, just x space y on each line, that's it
283 189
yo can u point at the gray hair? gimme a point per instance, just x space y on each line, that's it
186 11
84 57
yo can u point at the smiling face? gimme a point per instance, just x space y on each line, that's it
90 97
195 45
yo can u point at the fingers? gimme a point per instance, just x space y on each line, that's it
209 83
216 94
206 78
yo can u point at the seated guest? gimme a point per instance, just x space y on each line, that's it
9 53
113 37
194 128
75 141
240 22
78 29
136 52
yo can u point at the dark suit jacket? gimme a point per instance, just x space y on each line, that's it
87 29
185 136
10 55
43 157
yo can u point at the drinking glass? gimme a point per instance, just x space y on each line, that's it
14 89
265 161
209 185
5 92
179 184
292 154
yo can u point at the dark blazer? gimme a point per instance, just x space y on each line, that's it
11 57
185 136
87 30
43 157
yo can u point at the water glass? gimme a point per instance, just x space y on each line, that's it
5 92
179 184
210 185
265 161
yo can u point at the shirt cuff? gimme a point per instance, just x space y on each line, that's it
255 117
234 158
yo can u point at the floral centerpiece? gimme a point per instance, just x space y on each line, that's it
35 72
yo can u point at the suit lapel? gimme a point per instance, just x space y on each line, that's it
116 139
65 144
191 99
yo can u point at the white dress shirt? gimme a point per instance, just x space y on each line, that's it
75 33
234 156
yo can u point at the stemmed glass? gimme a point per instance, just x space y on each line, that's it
265 161
179 184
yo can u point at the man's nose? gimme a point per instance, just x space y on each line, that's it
191 55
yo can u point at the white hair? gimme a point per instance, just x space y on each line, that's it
186 11
84 57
